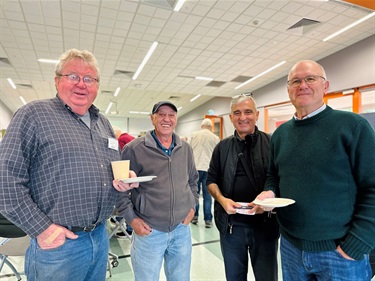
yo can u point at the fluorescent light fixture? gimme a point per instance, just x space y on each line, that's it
139 112
48 61
23 100
109 107
147 57
12 83
349 26
117 92
204 78
178 109
179 5
261 74
197 96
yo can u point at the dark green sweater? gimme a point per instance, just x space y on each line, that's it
326 163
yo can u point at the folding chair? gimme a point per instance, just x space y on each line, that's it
13 242
120 225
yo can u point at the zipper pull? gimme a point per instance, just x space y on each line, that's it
230 228
270 213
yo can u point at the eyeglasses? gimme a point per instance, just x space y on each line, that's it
74 79
309 80
243 95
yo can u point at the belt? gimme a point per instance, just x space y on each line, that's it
84 228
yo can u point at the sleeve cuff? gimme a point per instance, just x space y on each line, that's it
354 247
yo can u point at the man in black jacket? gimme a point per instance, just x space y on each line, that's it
237 173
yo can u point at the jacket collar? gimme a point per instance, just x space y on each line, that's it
250 138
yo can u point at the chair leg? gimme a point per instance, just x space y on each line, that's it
109 268
120 225
4 259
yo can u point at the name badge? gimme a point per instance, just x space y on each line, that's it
113 144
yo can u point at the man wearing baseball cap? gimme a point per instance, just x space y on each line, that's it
161 209
161 103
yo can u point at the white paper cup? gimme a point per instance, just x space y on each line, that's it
120 169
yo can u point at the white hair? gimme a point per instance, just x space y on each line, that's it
206 122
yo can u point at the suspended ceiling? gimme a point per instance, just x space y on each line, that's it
228 40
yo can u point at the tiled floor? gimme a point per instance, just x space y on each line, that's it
207 264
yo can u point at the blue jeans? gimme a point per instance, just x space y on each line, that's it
207 199
148 253
259 243
322 266
84 258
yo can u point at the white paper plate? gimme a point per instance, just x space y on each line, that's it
138 179
244 211
274 202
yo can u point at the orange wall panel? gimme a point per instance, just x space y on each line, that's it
370 4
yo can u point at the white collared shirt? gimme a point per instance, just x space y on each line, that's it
320 109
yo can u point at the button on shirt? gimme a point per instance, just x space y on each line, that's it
54 169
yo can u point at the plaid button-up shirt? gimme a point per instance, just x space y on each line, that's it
54 169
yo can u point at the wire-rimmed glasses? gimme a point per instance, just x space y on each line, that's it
309 80
74 79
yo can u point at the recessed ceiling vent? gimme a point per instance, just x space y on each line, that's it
174 98
241 78
5 62
123 73
216 83
106 92
303 26
165 4
24 86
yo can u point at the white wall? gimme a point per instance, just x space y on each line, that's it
132 126
351 67
137 125
191 121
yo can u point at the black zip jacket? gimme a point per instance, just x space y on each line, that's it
223 167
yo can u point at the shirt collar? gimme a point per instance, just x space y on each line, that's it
167 151
320 109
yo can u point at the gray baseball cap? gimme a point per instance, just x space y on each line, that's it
161 103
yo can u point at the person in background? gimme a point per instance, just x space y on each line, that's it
52 184
161 209
324 160
203 143
123 139
237 173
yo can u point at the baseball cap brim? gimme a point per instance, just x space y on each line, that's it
161 103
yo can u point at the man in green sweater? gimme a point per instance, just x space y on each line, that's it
324 159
